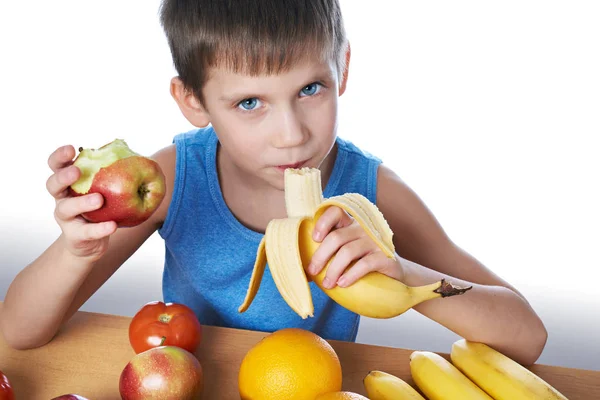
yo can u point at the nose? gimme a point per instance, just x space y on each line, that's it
290 131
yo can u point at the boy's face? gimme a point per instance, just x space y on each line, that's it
268 122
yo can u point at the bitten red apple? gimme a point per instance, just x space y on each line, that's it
133 186
6 390
162 373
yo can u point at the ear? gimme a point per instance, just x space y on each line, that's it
189 105
345 75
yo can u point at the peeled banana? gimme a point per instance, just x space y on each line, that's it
501 377
438 379
288 248
383 386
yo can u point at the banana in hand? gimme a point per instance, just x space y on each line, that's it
288 248
501 377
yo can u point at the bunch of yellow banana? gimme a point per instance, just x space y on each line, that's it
497 374
438 379
383 386
288 247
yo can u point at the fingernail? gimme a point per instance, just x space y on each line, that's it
312 268
317 236
342 281
327 283
94 200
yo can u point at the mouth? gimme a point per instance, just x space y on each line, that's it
299 164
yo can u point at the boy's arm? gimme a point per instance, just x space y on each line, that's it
46 293
492 312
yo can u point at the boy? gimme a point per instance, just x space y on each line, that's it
261 82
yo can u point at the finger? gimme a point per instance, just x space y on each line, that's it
376 261
61 157
332 218
69 208
349 253
87 231
329 246
58 182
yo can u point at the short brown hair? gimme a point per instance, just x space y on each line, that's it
250 36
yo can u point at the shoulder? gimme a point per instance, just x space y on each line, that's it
390 186
394 196
355 170
168 157
416 230
195 137
348 147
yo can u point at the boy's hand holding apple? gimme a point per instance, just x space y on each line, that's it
80 238
99 191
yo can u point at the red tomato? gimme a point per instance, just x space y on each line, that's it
159 324
6 391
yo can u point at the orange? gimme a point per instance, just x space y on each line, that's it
290 364
341 396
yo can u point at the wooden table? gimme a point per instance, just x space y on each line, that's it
89 353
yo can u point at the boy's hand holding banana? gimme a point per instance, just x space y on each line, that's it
360 250
344 241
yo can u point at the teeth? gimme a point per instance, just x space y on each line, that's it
289 247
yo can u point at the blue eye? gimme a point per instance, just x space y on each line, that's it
311 89
248 104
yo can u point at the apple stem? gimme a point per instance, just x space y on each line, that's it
162 340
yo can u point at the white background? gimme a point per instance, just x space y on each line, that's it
490 112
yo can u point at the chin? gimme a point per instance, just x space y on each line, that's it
278 184
275 180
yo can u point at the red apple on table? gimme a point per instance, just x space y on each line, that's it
133 186
162 373
6 391
70 397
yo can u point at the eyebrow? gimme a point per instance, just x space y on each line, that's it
231 97
319 75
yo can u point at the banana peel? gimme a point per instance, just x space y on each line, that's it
288 247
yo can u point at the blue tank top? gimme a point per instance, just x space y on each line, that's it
209 254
